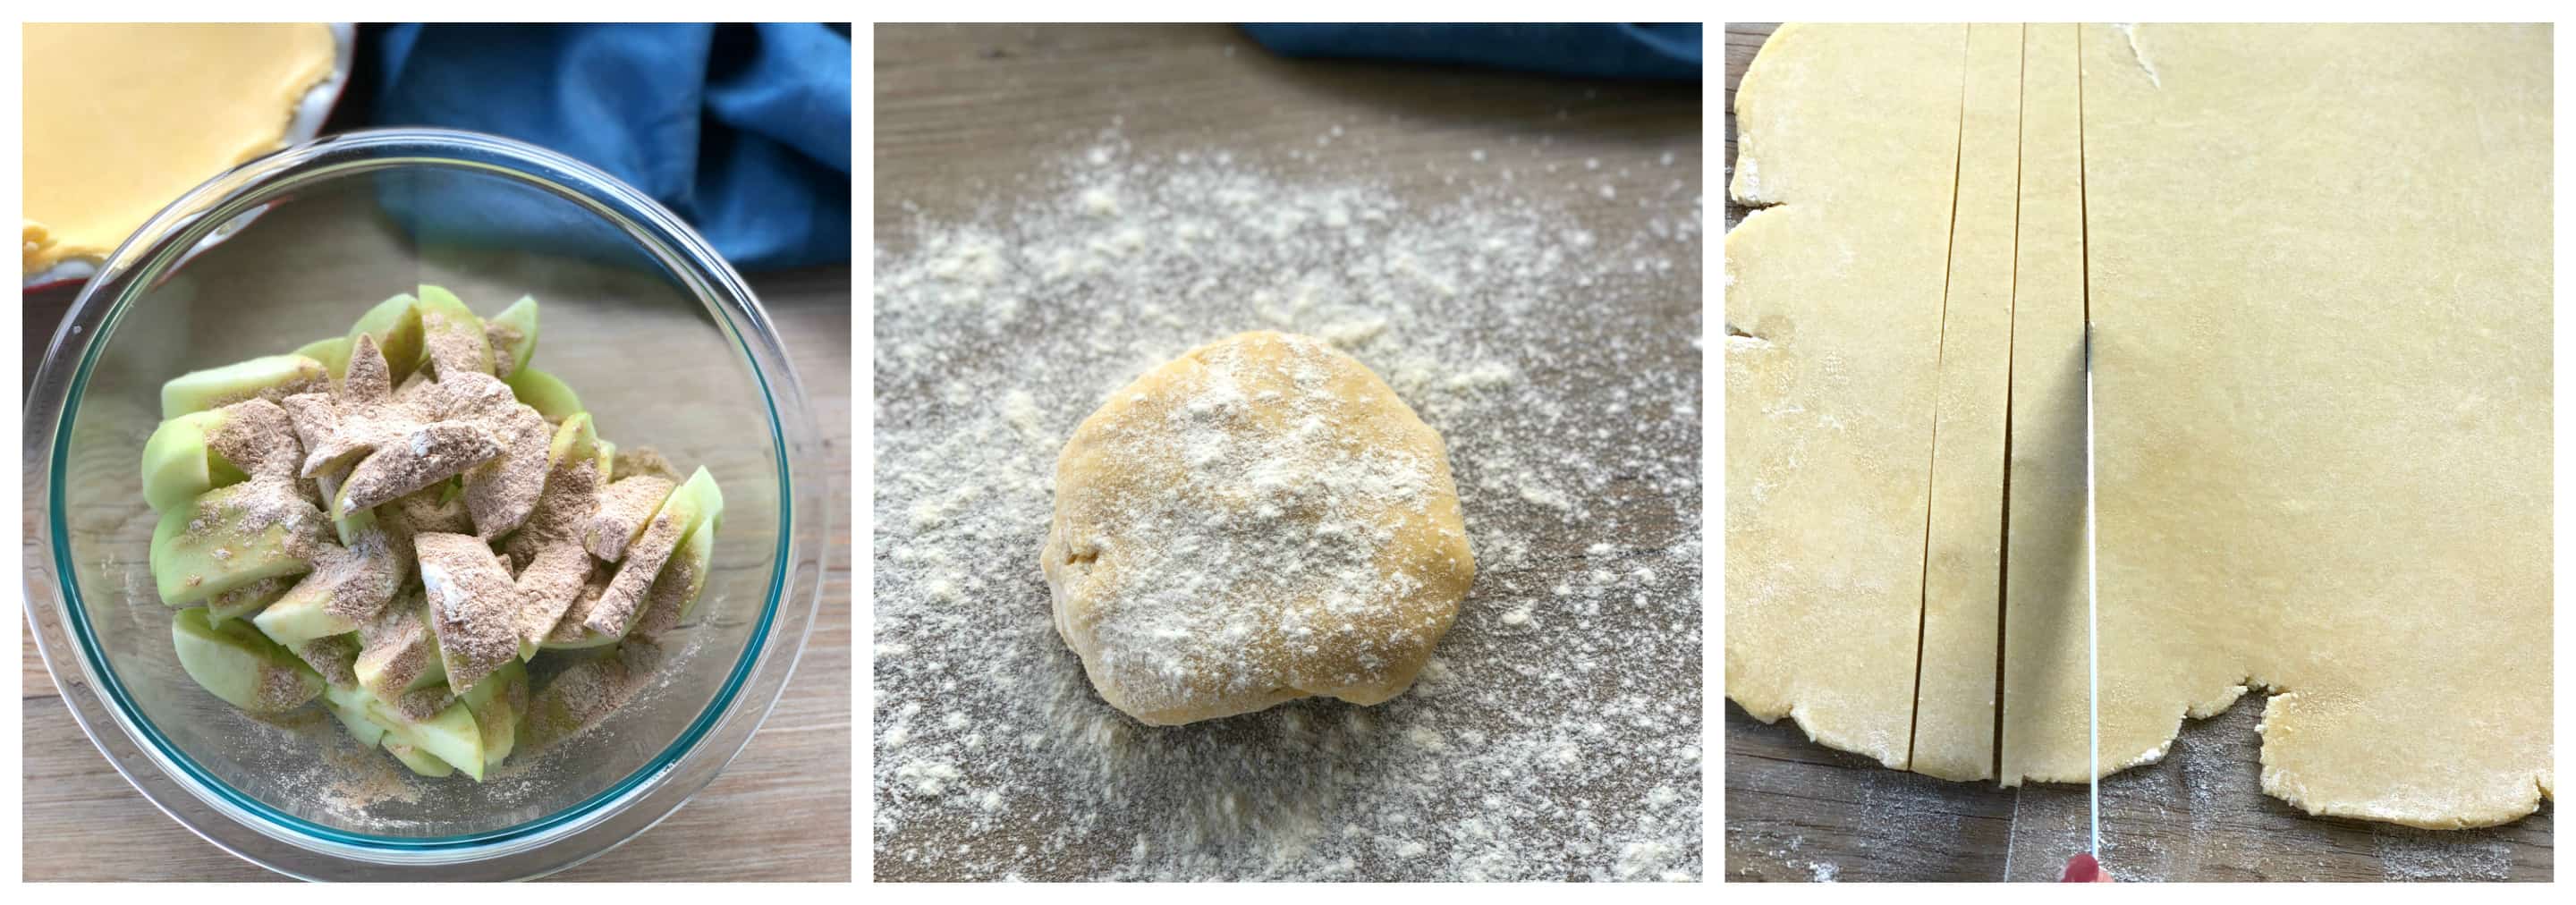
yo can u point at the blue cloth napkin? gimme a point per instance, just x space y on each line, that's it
1629 51
743 130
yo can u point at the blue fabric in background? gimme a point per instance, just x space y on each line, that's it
1624 50
743 130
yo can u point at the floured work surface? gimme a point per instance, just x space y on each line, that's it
2318 269
1519 257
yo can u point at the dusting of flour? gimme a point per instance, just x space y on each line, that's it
1555 733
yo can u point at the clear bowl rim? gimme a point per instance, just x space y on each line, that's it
721 730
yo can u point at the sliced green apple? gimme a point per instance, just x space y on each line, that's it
178 465
395 324
335 657
237 664
349 525
694 503
333 353
397 652
451 736
496 703
419 762
232 536
349 703
625 510
443 450
575 439
571 631
347 585
576 637
701 490
513 335
438 507
302 616
545 392
675 592
472 603
247 600
272 377
452 333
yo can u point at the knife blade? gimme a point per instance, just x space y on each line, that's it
2092 612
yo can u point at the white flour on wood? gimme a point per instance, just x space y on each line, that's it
1555 733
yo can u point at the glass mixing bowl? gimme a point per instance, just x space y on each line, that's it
666 347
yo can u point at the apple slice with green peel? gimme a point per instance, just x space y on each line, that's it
438 507
413 757
271 377
545 392
472 605
346 524
349 703
235 663
575 636
395 325
625 510
246 601
513 335
695 503
178 466
501 492
572 631
675 593
582 638
396 651
440 450
333 353
347 586
452 334
496 703
451 736
335 658
300 617
232 536
575 438
546 552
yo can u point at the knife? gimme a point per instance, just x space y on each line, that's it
2092 610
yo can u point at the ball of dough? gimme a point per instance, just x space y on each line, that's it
1258 520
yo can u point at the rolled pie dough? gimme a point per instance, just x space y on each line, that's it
1256 521
1833 311
2316 262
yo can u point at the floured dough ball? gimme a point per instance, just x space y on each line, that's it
1257 521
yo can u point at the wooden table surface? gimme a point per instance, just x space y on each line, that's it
1796 810
77 806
